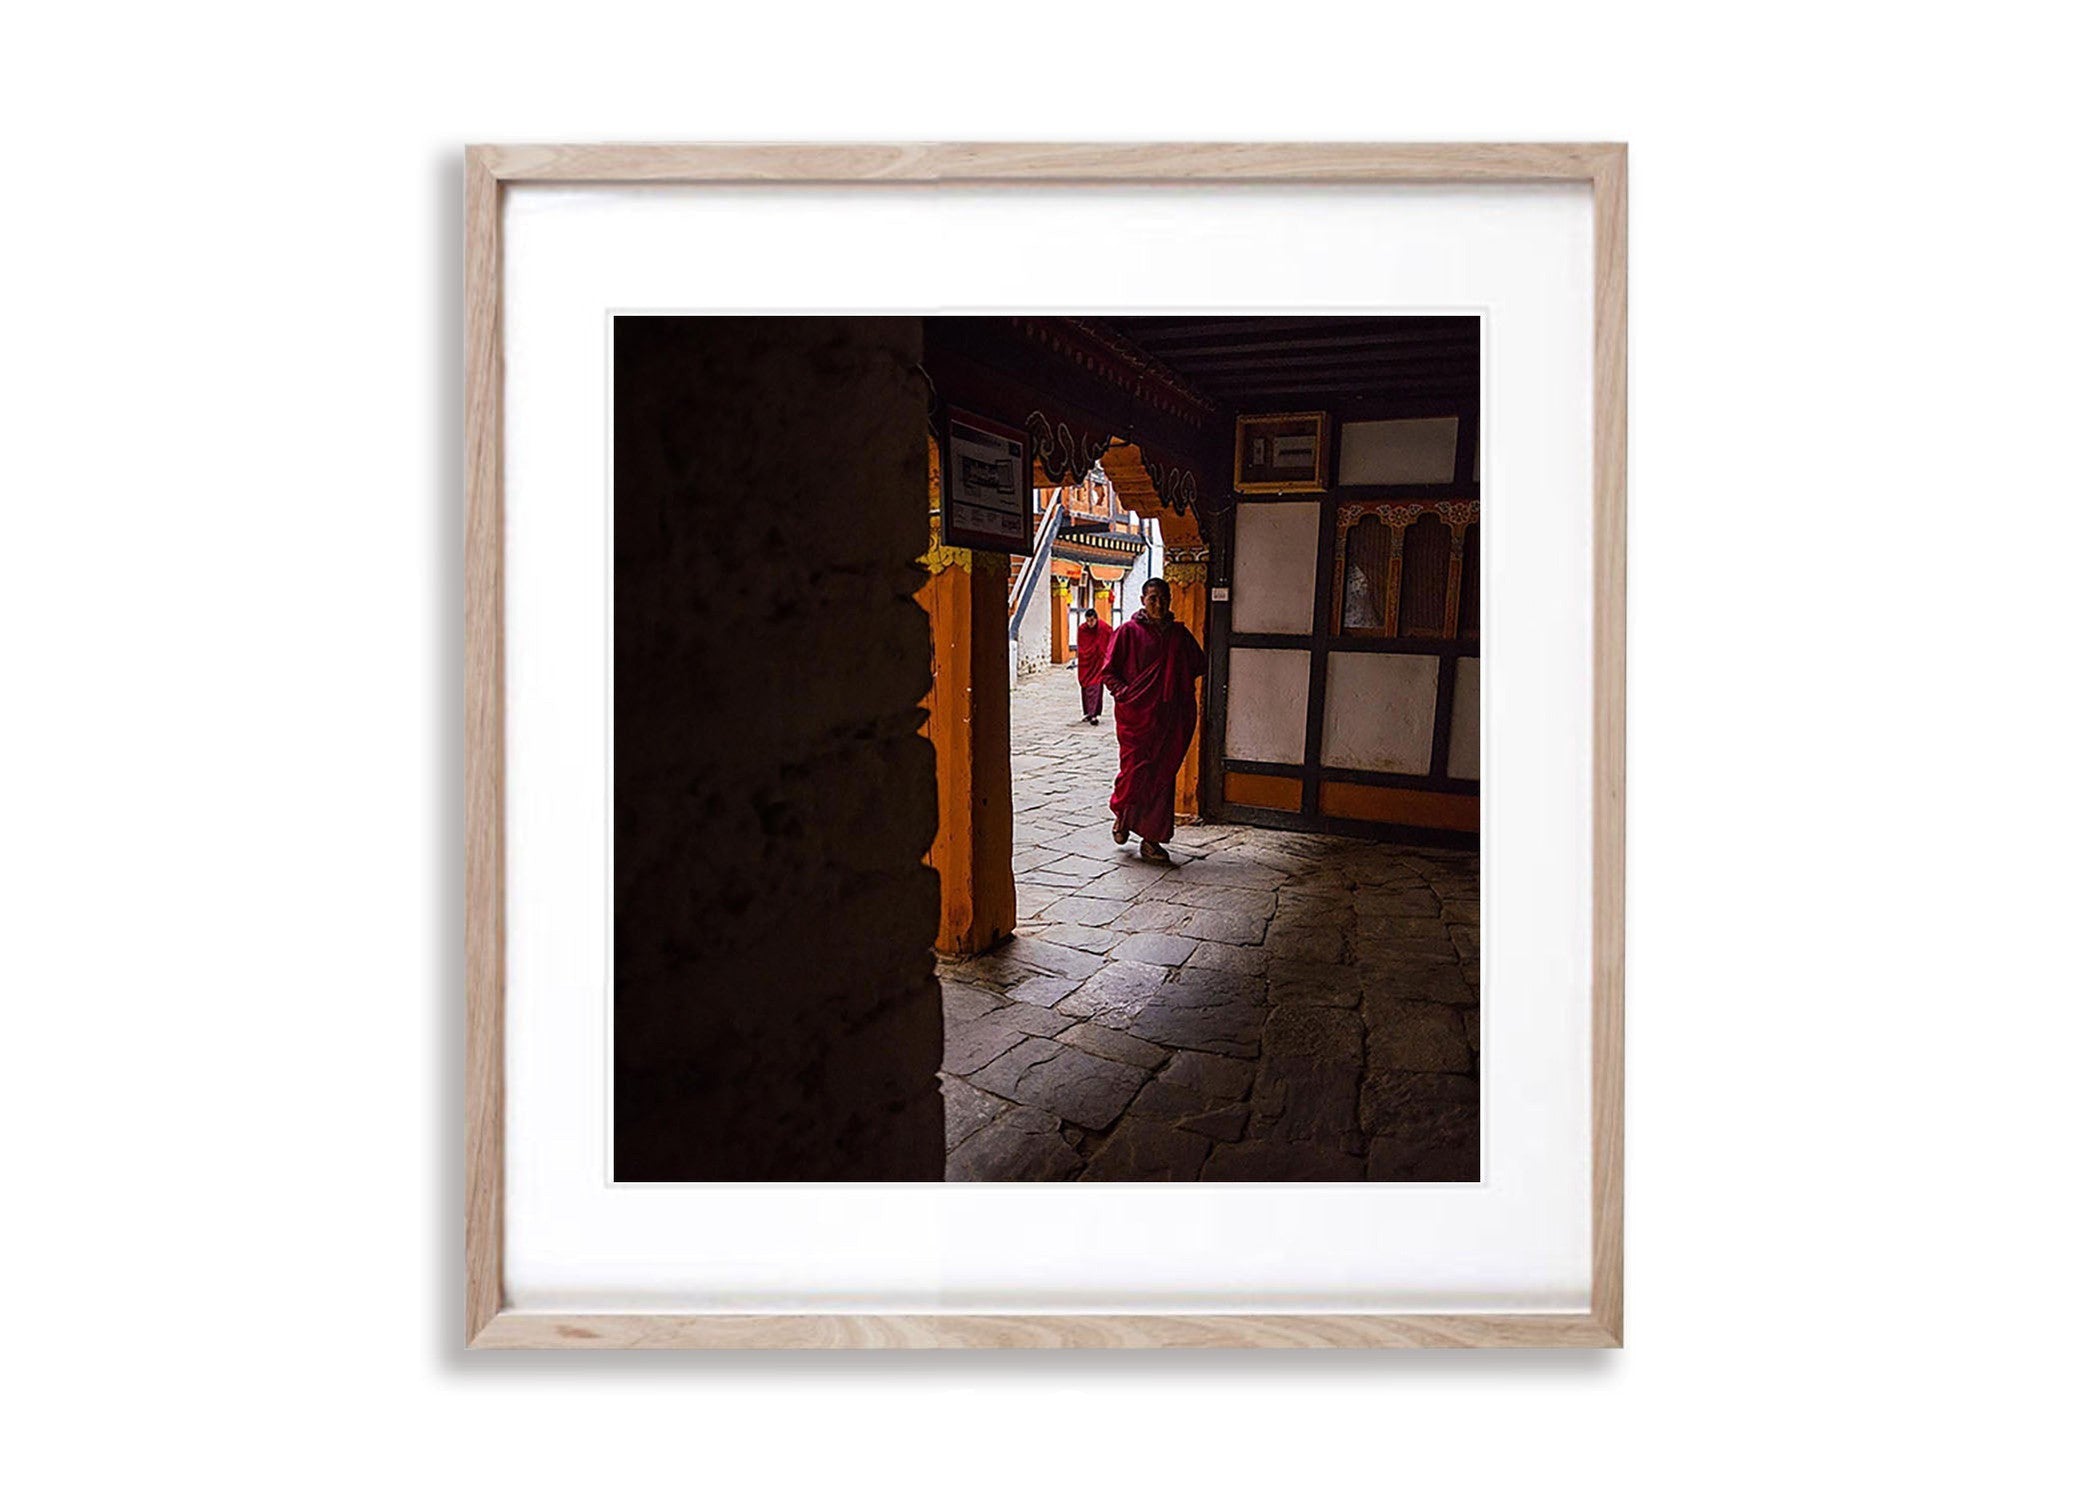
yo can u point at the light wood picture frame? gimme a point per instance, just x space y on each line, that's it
489 172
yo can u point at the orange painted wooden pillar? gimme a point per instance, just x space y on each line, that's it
969 720
1188 578
1059 622
1104 602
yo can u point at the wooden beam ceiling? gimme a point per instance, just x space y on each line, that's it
1255 360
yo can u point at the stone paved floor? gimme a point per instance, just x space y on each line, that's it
1275 1007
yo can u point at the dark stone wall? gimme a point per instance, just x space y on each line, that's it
775 1013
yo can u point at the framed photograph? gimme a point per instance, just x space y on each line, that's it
1281 454
1170 898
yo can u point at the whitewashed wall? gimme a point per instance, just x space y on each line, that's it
1031 652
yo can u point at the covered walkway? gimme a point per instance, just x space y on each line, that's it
1278 1006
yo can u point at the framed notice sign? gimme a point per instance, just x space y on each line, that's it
1280 454
987 489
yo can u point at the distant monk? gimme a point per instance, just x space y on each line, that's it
1152 665
1093 655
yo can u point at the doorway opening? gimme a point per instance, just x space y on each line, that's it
1294 996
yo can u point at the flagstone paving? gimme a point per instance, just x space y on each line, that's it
1275 1007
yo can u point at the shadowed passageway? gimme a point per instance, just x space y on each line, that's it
1275 1007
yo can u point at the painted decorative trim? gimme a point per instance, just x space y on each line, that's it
938 559
1065 456
1187 566
1174 486
1400 514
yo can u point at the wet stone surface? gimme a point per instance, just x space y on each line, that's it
1274 1007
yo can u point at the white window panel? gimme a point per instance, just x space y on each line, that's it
1380 712
1465 720
1265 699
1275 567
1414 451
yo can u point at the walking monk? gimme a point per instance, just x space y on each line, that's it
1152 665
1093 656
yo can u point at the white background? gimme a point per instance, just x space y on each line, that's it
1862 1004
1516 1240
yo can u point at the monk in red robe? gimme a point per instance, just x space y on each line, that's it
1153 662
1093 659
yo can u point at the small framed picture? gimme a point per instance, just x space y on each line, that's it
1281 454
987 490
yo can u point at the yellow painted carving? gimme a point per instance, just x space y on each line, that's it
939 559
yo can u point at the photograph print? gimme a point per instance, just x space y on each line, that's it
1046 749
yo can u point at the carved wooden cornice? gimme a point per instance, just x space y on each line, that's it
1077 393
1067 457
1123 365
1176 487
1400 514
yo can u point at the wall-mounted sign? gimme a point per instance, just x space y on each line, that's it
1280 454
987 486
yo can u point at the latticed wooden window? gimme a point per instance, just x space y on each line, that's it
1366 581
1424 577
1469 586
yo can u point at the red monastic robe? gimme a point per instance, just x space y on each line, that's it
1093 651
1151 669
